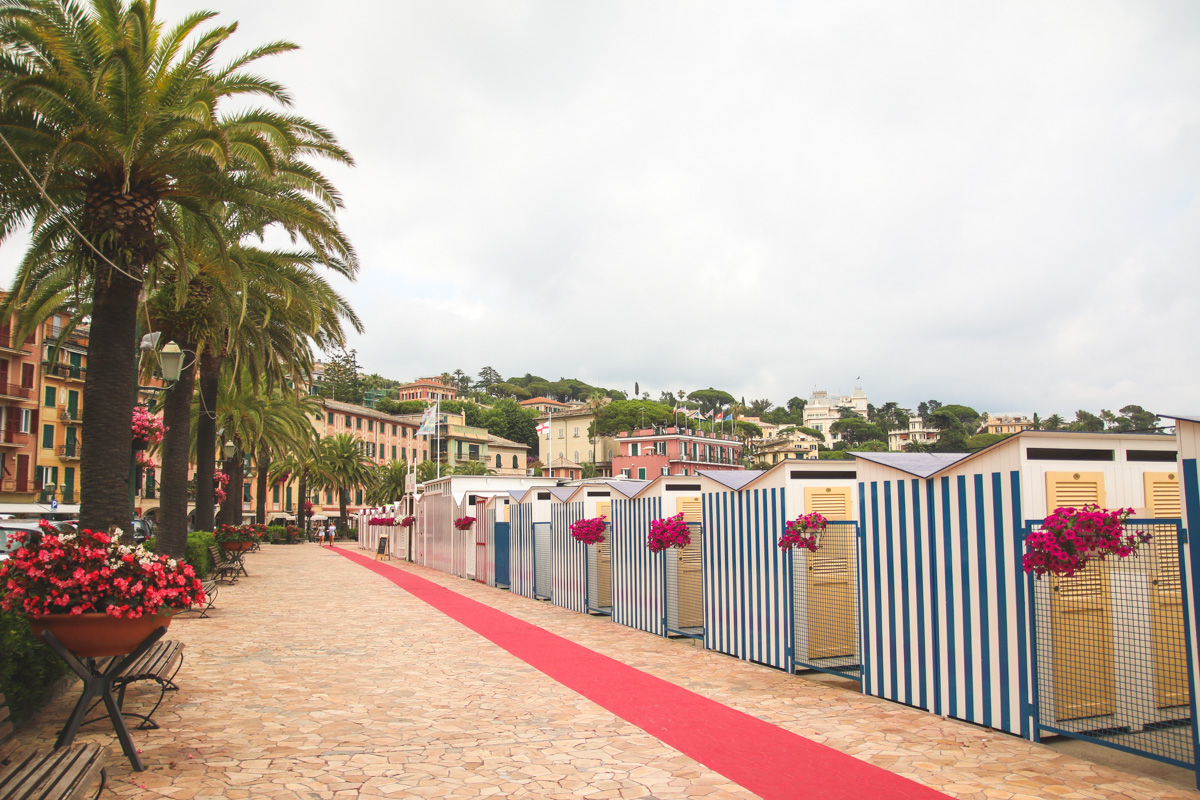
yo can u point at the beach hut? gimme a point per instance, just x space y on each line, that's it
492 542
793 610
661 592
531 565
582 574
951 622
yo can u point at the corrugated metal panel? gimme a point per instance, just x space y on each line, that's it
485 564
943 596
747 576
637 573
570 559
521 563
543 561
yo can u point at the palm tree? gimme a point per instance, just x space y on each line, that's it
120 118
389 483
473 468
1053 422
344 467
304 461
427 471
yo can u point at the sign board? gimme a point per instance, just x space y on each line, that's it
53 504
381 550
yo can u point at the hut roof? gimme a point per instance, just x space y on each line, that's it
920 464
733 478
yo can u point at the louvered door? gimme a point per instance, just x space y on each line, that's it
1166 592
831 623
691 609
1074 490
831 502
603 596
1162 494
1082 635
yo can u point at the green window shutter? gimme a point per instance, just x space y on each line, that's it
48 437
49 397
287 506
358 497
275 494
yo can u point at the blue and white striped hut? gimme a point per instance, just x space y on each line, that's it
532 566
491 560
794 610
583 573
658 592
952 624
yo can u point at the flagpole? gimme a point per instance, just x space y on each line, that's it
437 433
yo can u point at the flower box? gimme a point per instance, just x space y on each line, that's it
668 532
804 532
588 531
464 523
1070 538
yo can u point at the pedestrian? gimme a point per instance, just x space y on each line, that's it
330 532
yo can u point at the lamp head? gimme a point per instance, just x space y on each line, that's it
171 362
230 449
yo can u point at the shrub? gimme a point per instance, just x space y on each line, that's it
277 534
28 668
197 553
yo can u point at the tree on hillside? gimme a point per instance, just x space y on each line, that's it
509 420
889 416
927 407
711 399
488 376
343 379
954 417
855 430
461 381
1136 418
509 390
981 440
1053 422
1087 421
625 415
760 407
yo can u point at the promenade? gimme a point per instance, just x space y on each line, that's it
324 675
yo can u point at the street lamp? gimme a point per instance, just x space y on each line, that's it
170 361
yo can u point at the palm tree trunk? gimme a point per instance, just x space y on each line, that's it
109 389
343 501
301 514
231 509
206 439
173 507
260 504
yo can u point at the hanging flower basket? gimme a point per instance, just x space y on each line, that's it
388 521
804 531
464 523
668 532
147 429
1069 538
588 531
407 522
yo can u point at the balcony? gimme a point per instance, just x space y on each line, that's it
10 391
78 337
7 345
20 485
70 415
68 372
15 439
71 452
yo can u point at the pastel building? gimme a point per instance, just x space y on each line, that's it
566 439
791 443
1006 423
649 453
544 405
916 433
19 416
822 410
427 389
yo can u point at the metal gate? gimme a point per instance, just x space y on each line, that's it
1111 652
825 618
599 575
541 560
684 583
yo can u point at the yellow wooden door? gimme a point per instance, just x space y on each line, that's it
831 628
1162 494
1074 490
1082 641
604 557
691 601
1166 593
831 502
506 511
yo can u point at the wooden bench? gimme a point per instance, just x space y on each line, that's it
224 567
37 774
160 664
210 587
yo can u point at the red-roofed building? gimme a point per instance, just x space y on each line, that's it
427 389
544 405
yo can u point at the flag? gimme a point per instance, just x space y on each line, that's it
543 427
710 414
427 423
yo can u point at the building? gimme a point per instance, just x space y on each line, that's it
790 443
821 411
507 457
567 437
647 453
563 467
916 433
60 402
19 432
769 429
1006 423
544 405
428 390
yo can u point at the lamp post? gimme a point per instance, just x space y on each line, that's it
170 367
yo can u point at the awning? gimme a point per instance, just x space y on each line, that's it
69 509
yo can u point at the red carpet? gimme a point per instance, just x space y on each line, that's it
761 757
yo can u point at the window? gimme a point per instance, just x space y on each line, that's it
641 473
624 473
666 470
576 459
50 397
329 496
497 461
516 464
358 423
275 495
577 433
27 376
634 449
562 433
330 417
393 452
370 425
287 504
358 497
48 437
26 420
394 429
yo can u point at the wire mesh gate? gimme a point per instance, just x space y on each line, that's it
1111 651
599 575
825 618
541 560
684 583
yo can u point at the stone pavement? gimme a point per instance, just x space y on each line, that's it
316 678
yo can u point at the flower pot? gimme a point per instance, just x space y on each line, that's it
235 547
96 634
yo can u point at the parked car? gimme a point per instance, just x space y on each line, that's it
142 528
10 529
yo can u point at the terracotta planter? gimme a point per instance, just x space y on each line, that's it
96 634
235 547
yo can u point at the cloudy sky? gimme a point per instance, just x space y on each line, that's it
979 202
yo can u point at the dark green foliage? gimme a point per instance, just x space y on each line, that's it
710 398
981 440
277 534
343 379
197 553
28 668
625 415
509 420
855 430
